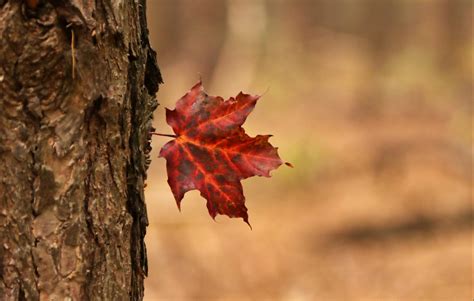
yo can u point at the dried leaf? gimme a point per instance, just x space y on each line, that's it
212 152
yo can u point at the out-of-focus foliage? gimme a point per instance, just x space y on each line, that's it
371 101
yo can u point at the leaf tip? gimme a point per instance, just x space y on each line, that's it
178 203
246 220
198 85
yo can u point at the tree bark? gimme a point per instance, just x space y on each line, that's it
77 91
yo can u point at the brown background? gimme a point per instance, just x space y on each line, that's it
371 102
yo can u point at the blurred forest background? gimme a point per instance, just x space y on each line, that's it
371 100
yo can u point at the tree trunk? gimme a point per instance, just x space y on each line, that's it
77 91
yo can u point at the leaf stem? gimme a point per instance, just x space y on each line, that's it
164 135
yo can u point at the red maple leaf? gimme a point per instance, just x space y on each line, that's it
212 152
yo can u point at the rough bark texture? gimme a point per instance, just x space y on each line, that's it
77 86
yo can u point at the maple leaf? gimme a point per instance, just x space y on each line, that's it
212 152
